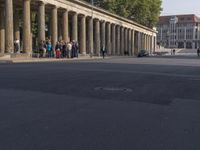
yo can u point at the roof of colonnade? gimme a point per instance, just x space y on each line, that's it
87 9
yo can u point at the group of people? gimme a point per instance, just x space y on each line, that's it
60 50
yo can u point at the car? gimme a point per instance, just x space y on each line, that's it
143 53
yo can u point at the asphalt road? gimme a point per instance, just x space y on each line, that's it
112 104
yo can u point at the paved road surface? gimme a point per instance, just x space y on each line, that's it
113 104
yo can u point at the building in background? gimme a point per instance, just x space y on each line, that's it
180 31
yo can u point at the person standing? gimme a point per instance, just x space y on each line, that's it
64 50
73 49
49 49
17 46
41 49
69 49
57 49
77 48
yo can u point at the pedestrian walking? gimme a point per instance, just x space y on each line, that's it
103 51
198 52
174 51
17 46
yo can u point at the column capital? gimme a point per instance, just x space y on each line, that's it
96 19
82 15
42 2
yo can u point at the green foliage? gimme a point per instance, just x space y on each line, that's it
145 12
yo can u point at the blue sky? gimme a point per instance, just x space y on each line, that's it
173 7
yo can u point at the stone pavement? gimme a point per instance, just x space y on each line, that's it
30 60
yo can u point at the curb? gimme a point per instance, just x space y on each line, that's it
6 61
43 60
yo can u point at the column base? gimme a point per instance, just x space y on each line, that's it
83 54
21 55
2 54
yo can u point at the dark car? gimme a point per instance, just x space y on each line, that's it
143 53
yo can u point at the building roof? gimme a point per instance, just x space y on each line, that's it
189 18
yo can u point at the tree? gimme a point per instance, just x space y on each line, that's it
145 12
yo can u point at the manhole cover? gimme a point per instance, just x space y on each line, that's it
113 89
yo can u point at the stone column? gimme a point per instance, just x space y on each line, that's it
2 30
113 39
139 41
146 41
60 27
155 43
54 26
150 37
122 41
108 40
27 47
126 40
193 45
129 42
90 38
16 25
9 46
118 40
41 21
132 42
65 26
149 43
83 36
143 41
184 44
103 38
97 37
75 27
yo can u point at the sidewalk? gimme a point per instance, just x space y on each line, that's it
36 60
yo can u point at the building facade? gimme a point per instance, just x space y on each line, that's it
31 21
180 31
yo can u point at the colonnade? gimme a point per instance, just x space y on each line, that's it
91 32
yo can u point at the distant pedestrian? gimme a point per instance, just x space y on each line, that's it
49 50
58 50
103 51
17 46
76 49
69 50
42 48
64 50
198 52
174 51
